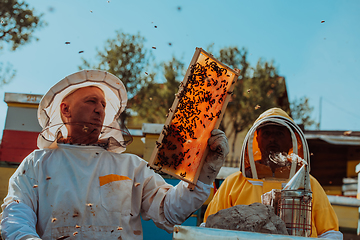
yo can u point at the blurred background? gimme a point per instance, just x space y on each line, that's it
301 56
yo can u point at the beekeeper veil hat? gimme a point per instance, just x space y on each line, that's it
113 137
251 153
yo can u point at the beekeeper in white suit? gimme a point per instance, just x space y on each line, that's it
80 185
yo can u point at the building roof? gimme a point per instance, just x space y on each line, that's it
335 137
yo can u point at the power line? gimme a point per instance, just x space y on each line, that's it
320 106
341 108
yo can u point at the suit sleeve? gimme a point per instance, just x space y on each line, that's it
18 220
221 199
167 205
324 218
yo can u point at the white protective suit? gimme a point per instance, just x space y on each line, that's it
94 193
88 192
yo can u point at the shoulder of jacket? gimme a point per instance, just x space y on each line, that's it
234 177
314 181
39 154
136 160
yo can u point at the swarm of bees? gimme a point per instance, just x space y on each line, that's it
204 87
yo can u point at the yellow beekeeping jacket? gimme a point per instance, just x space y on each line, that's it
237 189
246 186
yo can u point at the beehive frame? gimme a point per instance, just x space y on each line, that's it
197 109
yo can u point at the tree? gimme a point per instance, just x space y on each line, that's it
18 22
259 86
154 99
257 90
125 57
301 111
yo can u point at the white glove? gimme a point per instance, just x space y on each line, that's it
218 149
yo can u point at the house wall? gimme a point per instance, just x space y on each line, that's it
331 164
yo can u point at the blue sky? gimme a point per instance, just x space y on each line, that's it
317 59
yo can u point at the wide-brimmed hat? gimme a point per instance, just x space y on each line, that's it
49 114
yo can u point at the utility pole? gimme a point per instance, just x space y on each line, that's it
320 106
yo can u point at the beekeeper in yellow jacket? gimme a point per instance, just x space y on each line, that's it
79 184
272 133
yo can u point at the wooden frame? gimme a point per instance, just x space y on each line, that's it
197 109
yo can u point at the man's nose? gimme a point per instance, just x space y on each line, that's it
100 109
272 137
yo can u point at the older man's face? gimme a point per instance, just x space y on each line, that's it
274 139
84 112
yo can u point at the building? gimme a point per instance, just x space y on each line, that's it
334 156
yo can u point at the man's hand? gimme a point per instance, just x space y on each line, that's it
218 149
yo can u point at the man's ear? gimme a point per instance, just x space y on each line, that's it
65 110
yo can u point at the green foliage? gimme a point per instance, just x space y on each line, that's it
256 86
125 57
301 111
256 90
153 100
18 22
150 100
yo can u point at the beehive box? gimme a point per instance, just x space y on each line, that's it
197 109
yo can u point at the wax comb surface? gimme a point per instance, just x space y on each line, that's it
197 109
